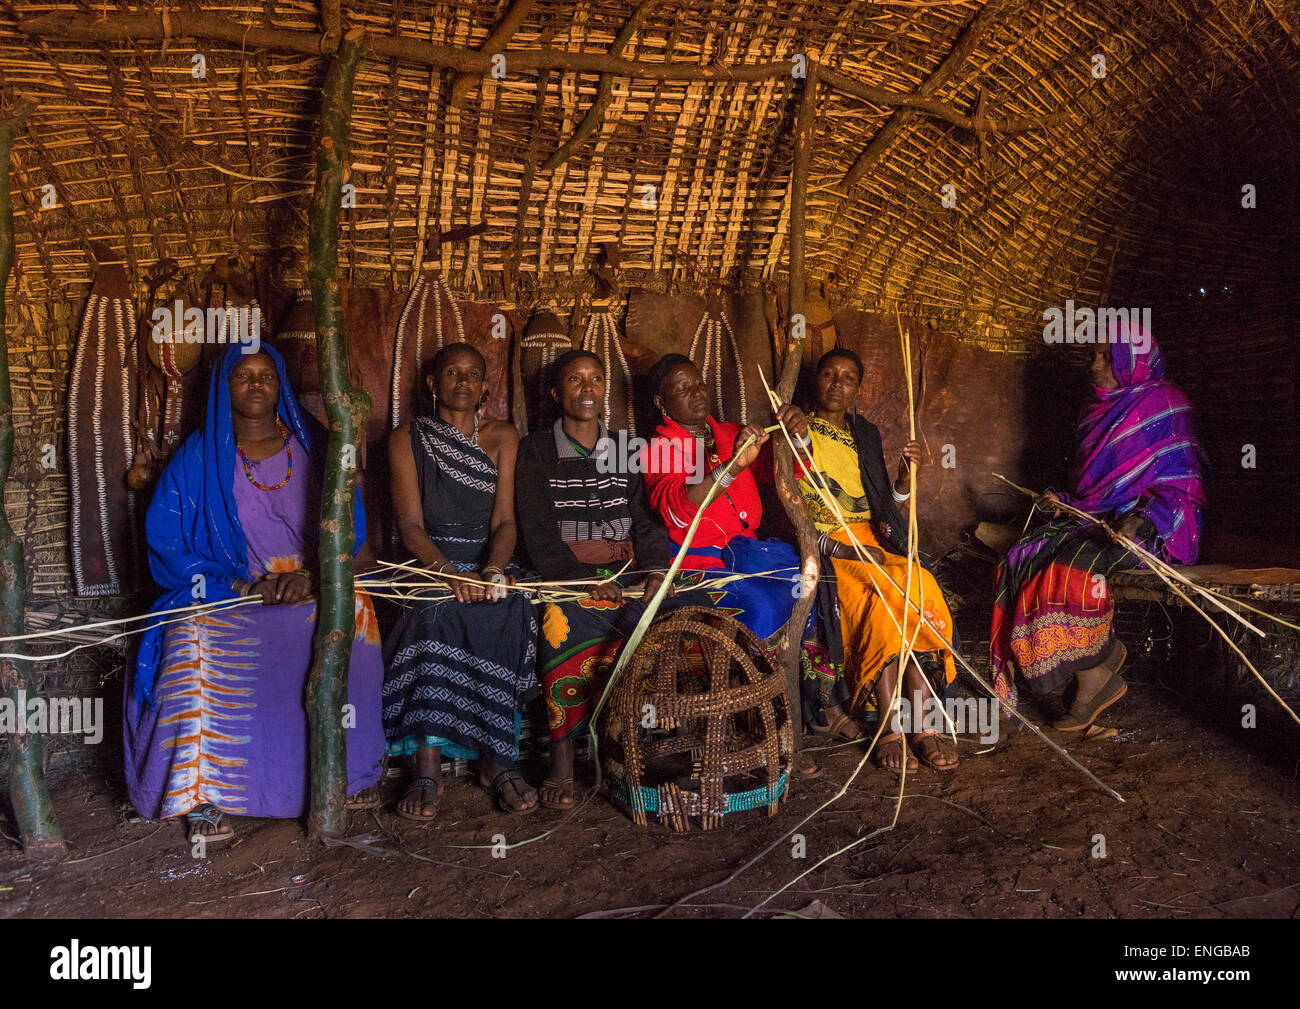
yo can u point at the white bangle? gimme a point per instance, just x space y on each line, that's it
805 440
899 498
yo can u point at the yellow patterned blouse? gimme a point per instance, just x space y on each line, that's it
837 457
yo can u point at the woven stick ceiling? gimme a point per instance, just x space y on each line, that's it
185 130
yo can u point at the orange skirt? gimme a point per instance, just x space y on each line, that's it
872 610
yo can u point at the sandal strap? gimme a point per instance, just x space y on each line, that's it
424 784
205 813
509 776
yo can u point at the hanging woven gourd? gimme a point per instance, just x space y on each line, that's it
545 338
175 359
708 342
420 335
296 342
819 327
602 338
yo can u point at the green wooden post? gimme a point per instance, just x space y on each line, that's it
37 823
347 409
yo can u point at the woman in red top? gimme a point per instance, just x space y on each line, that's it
685 459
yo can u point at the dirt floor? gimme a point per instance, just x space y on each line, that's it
1210 828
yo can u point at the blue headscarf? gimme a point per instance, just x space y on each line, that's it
192 526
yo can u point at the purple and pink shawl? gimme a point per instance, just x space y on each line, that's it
1138 450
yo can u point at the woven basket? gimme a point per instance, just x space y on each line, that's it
698 726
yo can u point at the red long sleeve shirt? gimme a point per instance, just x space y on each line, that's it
672 460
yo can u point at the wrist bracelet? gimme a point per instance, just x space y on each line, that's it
804 441
722 477
492 569
900 498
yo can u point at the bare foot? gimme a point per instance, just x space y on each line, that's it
364 799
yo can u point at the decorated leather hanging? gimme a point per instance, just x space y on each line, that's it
604 339
819 327
430 318
104 547
174 360
707 346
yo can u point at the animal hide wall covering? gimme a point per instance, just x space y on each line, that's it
969 405
731 341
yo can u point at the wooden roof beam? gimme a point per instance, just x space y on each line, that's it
500 37
130 28
604 91
67 26
968 39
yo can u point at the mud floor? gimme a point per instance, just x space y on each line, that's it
1210 828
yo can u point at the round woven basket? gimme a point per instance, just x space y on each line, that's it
698 725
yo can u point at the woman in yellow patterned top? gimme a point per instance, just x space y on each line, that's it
861 610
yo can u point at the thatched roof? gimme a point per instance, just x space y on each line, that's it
1198 98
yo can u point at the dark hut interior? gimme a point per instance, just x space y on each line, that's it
750 184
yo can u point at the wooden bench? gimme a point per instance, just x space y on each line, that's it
1266 588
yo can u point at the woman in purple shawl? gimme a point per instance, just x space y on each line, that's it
214 718
1138 467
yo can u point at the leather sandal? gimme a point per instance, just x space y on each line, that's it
926 755
881 750
510 776
424 785
558 785
842 728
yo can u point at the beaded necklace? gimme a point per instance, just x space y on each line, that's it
248 470
705 433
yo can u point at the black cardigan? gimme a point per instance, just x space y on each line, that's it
542 477
890 526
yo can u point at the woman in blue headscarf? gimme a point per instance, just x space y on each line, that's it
214 717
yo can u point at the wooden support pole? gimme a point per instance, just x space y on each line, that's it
331 22
37 823
786 485
347 409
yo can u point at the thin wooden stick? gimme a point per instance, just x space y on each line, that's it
1171 578
1152 560
812 468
